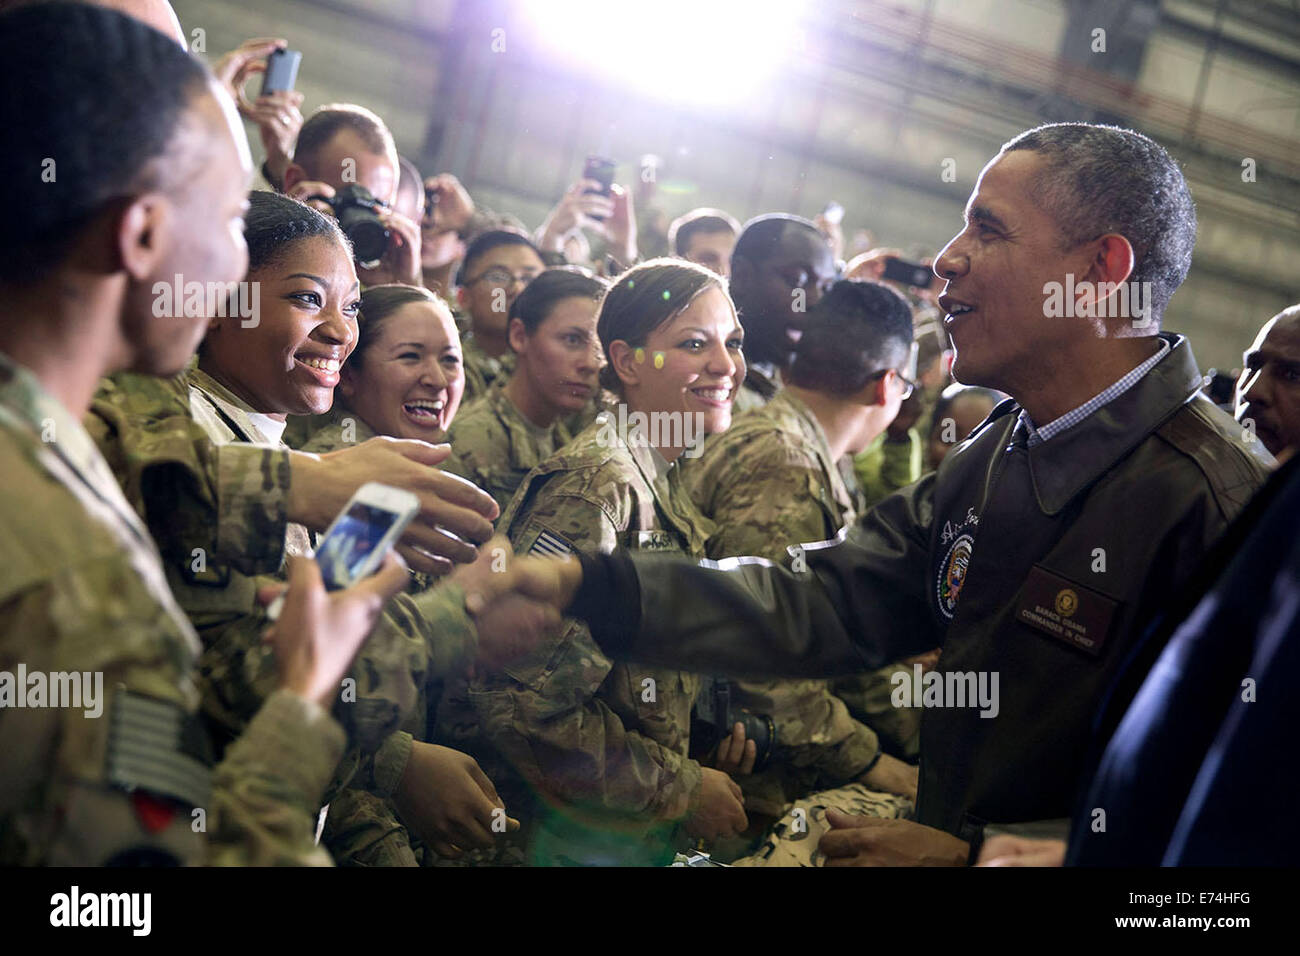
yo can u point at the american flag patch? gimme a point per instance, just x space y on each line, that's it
552 545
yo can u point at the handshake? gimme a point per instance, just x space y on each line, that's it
516 602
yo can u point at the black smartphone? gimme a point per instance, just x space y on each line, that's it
602 171
915 274
281 70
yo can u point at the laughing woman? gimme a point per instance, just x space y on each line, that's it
248 379
406 377
603 746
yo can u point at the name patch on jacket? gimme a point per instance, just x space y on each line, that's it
650 541
1067 611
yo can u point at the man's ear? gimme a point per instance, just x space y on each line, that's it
294 175
462 298
1111 265
144 231
517 335
623 357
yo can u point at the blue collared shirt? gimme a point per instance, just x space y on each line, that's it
1071 418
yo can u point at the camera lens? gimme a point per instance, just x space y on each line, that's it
369 236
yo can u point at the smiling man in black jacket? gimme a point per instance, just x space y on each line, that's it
1044 542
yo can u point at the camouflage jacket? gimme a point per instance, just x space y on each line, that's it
481 369
160 434
768 483
494 446
762 383
340 428
83 590
608 741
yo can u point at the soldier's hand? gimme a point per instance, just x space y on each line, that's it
892 776
718 808
454 513
319 632
448 801
736 755
1007 850
872 841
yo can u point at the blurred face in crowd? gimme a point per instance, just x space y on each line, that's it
346 160
775 296
493 282
996 269
201 235
561 359
1268 392
964 415
288 364
712 250
409 381
702 363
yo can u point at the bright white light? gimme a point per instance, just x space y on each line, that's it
712 52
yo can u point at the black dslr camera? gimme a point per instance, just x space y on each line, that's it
357 210
715 716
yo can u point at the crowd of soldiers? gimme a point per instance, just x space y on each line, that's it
740 504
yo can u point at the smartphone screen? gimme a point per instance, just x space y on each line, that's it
348 552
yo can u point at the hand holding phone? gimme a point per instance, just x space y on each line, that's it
601 170
359 538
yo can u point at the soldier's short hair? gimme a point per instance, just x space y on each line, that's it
551 288
487 241
326 123
275 223
97 126
857 330
759 239
700 221
1105 179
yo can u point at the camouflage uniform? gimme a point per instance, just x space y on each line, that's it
762 382
495 446
481 369
83 589
604 745
768 483
341 428
159 435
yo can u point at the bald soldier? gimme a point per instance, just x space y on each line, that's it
1037 552
1268 392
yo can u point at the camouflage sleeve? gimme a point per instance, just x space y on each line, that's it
266 792
420 641
546 715
127 780
776 497
363 830
230 501
769 499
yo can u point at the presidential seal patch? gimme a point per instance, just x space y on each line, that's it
952 573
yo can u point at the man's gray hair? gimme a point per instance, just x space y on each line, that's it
1104 179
